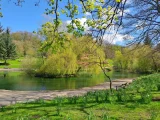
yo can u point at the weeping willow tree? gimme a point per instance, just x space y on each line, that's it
61 64
79 54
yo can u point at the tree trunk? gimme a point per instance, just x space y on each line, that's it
110 81
5 61
78 70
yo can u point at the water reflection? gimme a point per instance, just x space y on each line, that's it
20 81
5 73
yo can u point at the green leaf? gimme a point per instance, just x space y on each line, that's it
118 1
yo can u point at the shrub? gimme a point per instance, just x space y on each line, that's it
146 97
31 65
146 83
122 95
59 64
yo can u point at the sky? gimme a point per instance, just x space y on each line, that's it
29 17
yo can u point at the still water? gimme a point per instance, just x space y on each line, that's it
20 81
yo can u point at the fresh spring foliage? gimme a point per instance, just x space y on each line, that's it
78 54
141 60
103 17
63 63
27 44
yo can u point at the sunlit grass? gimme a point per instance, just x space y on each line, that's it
12 63
47 110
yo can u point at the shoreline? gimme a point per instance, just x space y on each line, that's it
8 97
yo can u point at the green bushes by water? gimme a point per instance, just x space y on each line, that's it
143 59
77 56
59 64
31 64
146 83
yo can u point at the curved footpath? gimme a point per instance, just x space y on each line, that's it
11 69
8 97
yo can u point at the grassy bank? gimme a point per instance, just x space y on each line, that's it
11 63
93 111
140 100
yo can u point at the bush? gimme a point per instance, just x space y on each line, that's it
61 64
122 95
146 83
158 87
31 65
146 97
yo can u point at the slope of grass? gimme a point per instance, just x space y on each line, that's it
48 110
12 63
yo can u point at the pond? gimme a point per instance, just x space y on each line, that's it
19 81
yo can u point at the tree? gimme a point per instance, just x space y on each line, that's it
144 21
1 37
118 60
88 53
104 15
7 47
1 29
27 44
61 64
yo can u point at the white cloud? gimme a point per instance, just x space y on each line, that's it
88 14
115 38
127 10
112 38
83 23
68 21
128 2
124 12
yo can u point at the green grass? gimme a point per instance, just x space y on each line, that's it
12 63
47 110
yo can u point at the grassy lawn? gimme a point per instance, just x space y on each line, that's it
67 110
12 63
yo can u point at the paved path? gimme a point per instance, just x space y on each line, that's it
8 97
11 69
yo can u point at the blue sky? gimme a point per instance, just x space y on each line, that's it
25 18
29 17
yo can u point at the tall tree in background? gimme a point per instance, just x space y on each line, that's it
27 44
7 48
1 37
142 20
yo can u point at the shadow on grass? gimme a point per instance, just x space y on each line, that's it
1 64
